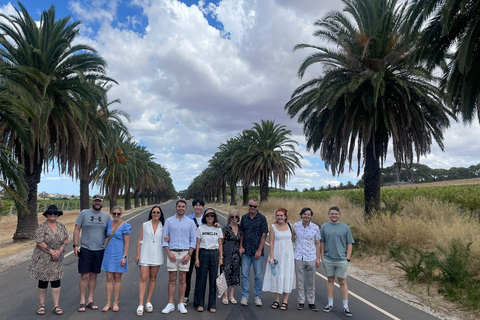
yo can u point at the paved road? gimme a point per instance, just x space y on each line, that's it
18 299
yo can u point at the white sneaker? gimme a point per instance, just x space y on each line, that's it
244 301
169 308
258 301
181 308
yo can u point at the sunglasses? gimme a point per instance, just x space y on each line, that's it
116 213
209 215
157 212
235 217
252 206
51 213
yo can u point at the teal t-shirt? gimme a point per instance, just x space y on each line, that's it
336 238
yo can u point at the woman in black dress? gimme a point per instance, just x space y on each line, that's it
231 257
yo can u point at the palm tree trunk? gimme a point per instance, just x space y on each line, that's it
27 222
372 180
233 198
219 192
143 199
137 199
224 192
264 190
128 198
246 191
84 194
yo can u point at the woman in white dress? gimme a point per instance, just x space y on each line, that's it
149 256
280 274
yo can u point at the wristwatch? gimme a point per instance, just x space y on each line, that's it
190 253
75 245
47 248
125 257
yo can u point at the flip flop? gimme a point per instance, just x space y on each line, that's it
41 310
106 308
81 306
57 311
92 305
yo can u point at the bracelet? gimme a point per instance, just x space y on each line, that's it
47 248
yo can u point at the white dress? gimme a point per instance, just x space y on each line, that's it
284 280
151 250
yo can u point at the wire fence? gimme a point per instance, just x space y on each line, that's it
42 207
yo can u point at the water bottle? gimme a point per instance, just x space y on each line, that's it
274 267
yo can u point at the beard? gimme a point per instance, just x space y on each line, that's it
97 206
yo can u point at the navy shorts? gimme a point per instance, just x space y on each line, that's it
90 261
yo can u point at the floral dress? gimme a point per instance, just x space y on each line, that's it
231 257
42 266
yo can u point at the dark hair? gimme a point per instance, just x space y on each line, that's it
215 218
181 200
334 208
198 201
162 218
305 210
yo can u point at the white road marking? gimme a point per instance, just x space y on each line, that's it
388 314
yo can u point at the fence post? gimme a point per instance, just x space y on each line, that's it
63 205
11 210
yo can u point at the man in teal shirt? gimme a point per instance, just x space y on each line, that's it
336 250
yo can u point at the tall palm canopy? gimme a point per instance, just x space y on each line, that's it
63 76
371 93
452 25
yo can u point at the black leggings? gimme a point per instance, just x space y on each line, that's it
44 284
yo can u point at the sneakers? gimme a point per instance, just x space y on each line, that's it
181 308
185 301
327 308
258 301
169 308
312 307
244 301
347 312
300 306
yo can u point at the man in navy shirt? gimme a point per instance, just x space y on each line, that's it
255 229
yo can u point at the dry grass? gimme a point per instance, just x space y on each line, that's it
459 182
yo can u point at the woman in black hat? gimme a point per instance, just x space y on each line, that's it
47 259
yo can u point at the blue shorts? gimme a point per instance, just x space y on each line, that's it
335 268
90 261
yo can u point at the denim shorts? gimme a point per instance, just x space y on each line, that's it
335 267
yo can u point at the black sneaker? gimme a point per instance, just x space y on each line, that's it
327 308
347 312
313 307
300 306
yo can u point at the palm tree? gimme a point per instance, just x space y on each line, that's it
370 94
63 75
270 156
452 24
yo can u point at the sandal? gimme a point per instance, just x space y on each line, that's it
81 307
106 308
275 305
225 301
115 308
41 310
92 305
140 311
149 307
57 310
233 301
284 306
213 310
200 309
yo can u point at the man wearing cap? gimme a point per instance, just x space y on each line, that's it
92 223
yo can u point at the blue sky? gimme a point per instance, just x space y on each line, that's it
194 73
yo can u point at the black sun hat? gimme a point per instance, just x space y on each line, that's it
53 208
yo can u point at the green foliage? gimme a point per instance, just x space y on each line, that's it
453 263
411 261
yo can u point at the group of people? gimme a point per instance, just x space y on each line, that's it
196 240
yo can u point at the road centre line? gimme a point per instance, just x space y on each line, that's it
388 314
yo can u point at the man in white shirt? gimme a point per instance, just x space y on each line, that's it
307 258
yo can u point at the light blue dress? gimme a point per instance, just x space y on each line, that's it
115 249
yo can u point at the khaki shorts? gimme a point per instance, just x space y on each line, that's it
178 265
337 268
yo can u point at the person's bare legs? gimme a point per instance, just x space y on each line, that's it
277 297
109 289
152 283
117 288
83 287
55 296
343 288
330 286
142 284
42 294
285 297
92 284
172 283
182 284
230 291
